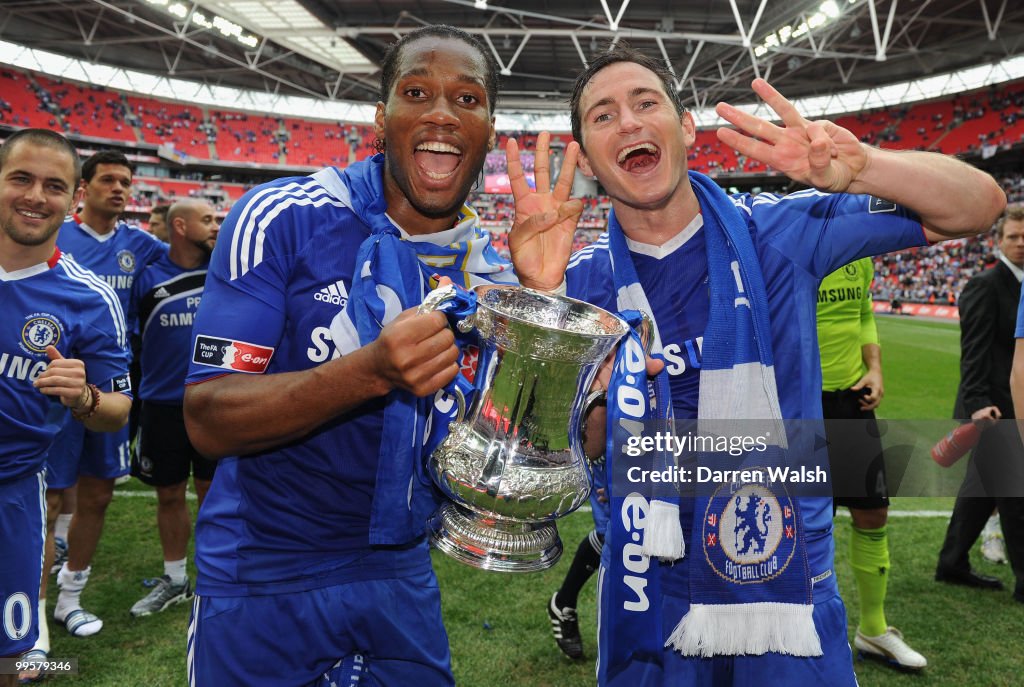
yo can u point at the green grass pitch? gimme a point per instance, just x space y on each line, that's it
497 623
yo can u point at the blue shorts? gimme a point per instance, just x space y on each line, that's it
78 451
374 633
22 531
834 667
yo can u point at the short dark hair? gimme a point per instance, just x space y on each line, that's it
1014 213
394 54
618 53
104 157
43 137
159 210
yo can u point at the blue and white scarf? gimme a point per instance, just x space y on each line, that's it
393 275
735 609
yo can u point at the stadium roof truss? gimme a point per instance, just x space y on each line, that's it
331 51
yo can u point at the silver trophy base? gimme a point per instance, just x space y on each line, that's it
494 544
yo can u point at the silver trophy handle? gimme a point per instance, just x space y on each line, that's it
460 401
646 332
595 398
434 300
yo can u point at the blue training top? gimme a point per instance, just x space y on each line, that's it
165 298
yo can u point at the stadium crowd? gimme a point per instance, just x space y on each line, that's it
219 406
930 274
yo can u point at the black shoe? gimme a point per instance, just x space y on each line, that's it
968 579
566 629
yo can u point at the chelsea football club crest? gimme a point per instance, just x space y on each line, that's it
40 330
749 532
126 261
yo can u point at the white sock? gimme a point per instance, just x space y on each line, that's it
63 523
176 571
43 643
71 585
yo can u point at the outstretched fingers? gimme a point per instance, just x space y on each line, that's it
778 102
752 124
516 176
745 145
542 162
563 187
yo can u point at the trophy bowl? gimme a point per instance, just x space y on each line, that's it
513 462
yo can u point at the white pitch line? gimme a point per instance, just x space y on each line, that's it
842 513
189 496
910 513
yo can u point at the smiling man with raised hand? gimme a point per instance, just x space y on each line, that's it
310 547
64 349
731 284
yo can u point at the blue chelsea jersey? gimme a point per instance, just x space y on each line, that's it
296 516
57 303
799 239
165 298
116 257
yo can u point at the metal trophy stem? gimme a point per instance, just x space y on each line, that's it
513 462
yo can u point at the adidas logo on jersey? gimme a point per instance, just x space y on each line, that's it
335 294
161 293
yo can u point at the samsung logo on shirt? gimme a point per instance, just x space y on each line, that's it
16 367
846 293
118 281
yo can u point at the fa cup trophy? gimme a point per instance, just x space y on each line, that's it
513 461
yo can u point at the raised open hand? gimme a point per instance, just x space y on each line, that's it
545 223
819 153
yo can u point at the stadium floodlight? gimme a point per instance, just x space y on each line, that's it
293 27
827 12
208 20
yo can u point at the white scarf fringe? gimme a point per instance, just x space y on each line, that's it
747 629
663 535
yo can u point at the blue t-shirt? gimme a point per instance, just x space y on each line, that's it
55 303
165 298
116 257
297 516
799 238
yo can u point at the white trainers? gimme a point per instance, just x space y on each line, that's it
993 548
890 647
164 594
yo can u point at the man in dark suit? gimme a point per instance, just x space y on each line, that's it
988 315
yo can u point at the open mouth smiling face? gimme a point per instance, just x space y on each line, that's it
437 160
639 157
437 128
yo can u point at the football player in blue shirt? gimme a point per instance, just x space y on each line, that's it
731 284
315 382
115 252
65 349
165 298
